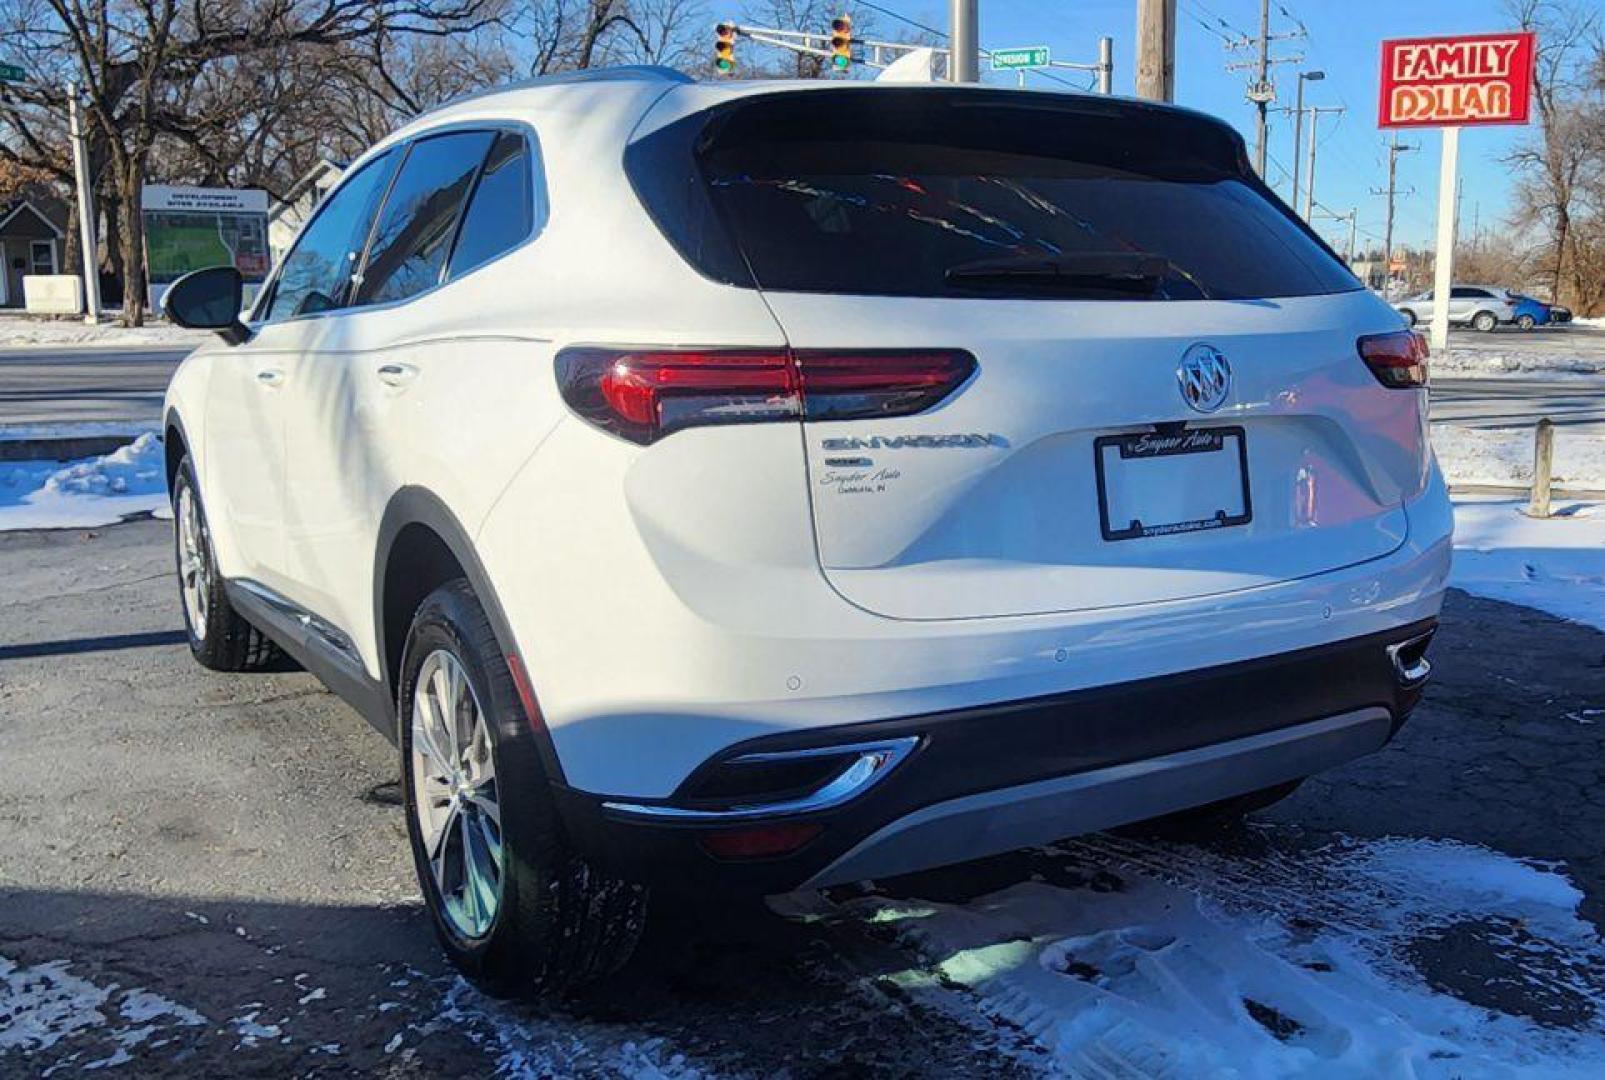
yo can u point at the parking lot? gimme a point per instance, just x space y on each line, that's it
201 873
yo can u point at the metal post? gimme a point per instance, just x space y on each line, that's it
1298 135
88 255
1354 224
1543 468
1106 65
964 65
1443 259
1309 186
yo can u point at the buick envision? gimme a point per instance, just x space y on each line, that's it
751 487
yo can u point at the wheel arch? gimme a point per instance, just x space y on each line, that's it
175 445
421 546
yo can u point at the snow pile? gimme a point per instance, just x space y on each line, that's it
20 331
1504 456
83 494
1471 363
1172 960
1556 565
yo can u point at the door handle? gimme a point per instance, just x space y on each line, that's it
397 374
270 377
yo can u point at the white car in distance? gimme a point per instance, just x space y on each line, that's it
745 487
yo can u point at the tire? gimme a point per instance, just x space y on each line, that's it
1526 322
1409 317
1484 322
1215 817
514 906
219 637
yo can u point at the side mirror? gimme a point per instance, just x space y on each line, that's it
209 299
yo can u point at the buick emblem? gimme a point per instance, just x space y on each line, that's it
1205 378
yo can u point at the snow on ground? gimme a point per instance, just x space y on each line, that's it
87 493
1504 456
20 331
1463 363
1556 565
1124 957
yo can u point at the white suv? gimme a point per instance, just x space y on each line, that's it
746 487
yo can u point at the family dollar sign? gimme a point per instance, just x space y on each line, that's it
1457 81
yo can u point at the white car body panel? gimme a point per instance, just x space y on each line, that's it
672 600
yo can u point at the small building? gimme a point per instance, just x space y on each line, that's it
33 232
286 217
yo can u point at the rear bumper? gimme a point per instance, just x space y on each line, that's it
983 780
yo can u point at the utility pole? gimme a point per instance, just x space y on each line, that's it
1156 49
964 62
89 255
1315 120
1262 101
1298 124
1261 92
1352 217
1392 192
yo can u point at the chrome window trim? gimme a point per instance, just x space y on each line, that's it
538 220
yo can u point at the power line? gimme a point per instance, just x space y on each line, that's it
901 18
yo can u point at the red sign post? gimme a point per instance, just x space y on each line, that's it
1453 82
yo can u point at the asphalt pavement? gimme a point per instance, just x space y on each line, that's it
204 874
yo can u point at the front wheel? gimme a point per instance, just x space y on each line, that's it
219 637
1409 317
1526 322
514 906
1484 321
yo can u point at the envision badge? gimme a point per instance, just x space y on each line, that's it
914 442
1205 377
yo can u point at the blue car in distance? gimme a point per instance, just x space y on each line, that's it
1531 312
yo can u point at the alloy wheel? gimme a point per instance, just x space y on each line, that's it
194 561
454 795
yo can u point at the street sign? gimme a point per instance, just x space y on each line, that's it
12 73
1031 56
1460 81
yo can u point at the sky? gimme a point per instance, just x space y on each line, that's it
1343 40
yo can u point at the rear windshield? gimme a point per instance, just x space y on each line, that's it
930 193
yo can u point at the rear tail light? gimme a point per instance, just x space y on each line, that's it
646 394
1398 360
762 842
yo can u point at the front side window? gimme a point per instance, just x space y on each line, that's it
413 238
501 213
318 269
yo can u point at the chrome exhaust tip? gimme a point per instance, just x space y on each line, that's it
1409 659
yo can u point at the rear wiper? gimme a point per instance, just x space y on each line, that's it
1132 273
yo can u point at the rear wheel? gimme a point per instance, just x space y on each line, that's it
1484 321
1526 322
219 636
515 907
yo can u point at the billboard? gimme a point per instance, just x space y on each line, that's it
1458 81
190 228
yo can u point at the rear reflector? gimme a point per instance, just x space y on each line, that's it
646 394
760 843
1398 360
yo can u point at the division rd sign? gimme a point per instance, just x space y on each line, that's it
1457 81
12 73
1033 56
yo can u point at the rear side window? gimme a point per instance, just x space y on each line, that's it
414 234
317 270
501 212
932 193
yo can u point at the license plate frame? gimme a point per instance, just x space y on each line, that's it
1141 445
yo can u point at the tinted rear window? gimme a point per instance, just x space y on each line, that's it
909 192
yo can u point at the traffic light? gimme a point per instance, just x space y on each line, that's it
841 42
724 48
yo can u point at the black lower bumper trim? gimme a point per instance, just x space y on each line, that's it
989 747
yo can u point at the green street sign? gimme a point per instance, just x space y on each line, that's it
12 73
1032 56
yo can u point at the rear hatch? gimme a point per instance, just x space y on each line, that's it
1166 399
